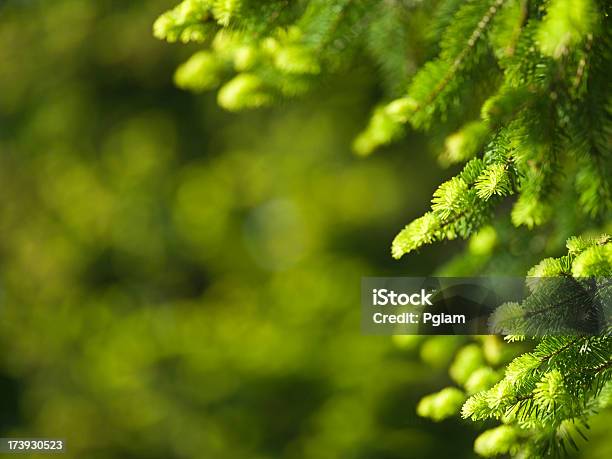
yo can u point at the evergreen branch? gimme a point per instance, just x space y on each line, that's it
460 58
602 367
511 48
561 349
582 64
545 93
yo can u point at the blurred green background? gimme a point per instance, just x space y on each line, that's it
179 282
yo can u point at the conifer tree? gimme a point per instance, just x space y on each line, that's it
514 91
543 398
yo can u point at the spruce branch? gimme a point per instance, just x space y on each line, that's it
461 57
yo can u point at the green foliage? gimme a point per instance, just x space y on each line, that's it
461 204
557 385
169 274
468 360
465 143
558 302
260 51
441 405
179 282
185 23
567 24
536 71
546 397
497 441
527 118
518 92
